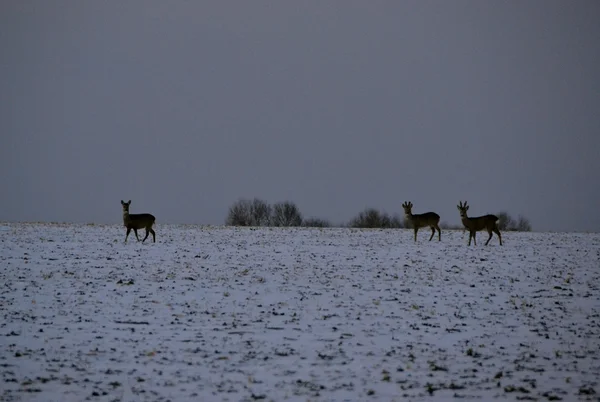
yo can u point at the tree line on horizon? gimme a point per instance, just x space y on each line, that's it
257 212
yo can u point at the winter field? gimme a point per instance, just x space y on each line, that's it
242 314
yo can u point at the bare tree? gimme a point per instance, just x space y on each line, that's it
261 213
286 214
372 218
245 212
505 221
396 222
523 224
369 218
240 213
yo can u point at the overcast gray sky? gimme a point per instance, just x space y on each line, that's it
186 106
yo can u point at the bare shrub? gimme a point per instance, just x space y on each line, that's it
286 214
523 224
240 213
507 223
396 222
245 212
372 218
261 213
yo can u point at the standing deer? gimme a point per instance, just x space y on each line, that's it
137 221
430 219
474 225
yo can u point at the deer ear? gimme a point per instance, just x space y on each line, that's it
129 202
122 202
467 208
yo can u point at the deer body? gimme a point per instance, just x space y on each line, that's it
488 223
137 221
428 219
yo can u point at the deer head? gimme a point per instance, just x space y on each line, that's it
463 208
126 205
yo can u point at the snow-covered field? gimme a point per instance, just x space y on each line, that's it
242 314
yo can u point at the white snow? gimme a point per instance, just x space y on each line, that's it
243 314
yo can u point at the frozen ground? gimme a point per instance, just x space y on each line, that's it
243 314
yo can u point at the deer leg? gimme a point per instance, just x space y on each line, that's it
498 233
153 235
136 234
147 233
127 235
432 233
474 236
489 238
416 230
439 233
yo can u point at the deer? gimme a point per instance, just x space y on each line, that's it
137 221
473 225
430 219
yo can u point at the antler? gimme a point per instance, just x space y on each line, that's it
461 205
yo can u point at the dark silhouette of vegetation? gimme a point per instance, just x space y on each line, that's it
507 223
286 214
504 221
372 218
257 212
249 213
261 213
239 214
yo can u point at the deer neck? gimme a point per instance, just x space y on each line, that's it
466 221
125 217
